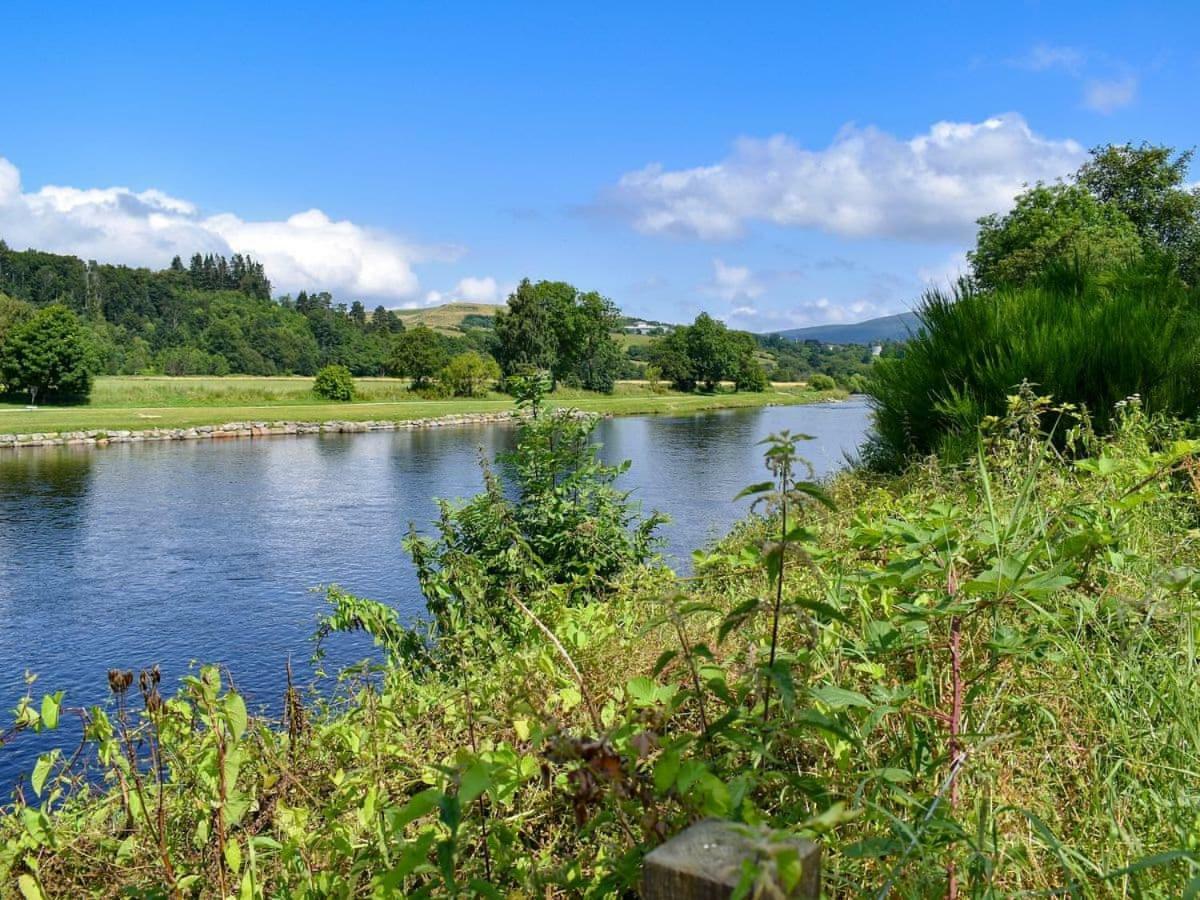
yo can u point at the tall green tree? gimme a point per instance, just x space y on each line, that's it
1051 224
712 351
552 326
47 357
1148 183
587 354
12 313
1124 202
526 338
419 353
669 355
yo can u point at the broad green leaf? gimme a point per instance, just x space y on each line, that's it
29 888
41 770
50 706
760 488
235 711
474 782
233 856
666 770
839 698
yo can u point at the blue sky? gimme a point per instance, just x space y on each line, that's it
776 164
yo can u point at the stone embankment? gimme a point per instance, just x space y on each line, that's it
99 438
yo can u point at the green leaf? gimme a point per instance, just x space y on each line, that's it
41 770
233 856
839 698
814 490
474 782
664 660
414 854
736 617
761 488
50 706
235 713
420 805
666 770
29 887
822 610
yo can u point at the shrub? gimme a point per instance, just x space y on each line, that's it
469 374
418 353
46 356
822 382
1084 337
856 384
334 383
561 521
750 375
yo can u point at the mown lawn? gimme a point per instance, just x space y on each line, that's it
131 403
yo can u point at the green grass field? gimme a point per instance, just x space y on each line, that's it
132 403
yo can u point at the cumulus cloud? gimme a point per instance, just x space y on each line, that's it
819 311
305 251
471 290
733 282
867 183
1101 94
1109 96
946 273
1049 56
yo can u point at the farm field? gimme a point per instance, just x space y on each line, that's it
142 402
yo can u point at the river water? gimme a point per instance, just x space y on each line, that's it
170 553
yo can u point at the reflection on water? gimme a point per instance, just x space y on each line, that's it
166 553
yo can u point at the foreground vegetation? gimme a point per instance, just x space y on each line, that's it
131 403
979 678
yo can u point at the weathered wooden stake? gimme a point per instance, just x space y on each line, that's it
704 862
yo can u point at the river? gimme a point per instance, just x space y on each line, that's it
170 553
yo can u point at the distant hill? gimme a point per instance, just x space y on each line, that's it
449 318
885 328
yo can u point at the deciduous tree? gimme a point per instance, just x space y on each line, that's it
47 357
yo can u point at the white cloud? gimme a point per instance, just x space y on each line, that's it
820 311
867 183
305 251
1049 56
1109 96
478 290
471 290
1103 95
946 273
733 282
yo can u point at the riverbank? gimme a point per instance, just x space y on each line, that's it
282 415
1017 714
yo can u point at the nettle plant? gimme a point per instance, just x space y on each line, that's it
551 522
875 685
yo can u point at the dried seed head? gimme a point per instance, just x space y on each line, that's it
119 681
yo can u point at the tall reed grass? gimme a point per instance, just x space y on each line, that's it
1084 337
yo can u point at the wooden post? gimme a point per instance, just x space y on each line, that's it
704 862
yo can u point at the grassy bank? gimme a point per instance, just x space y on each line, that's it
120 403
983 675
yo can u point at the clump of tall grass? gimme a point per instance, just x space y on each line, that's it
1086 337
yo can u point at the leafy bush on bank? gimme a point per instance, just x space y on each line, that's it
334 383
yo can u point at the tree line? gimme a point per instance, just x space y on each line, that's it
63 320
216 316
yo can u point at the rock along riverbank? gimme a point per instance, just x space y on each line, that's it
231 430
